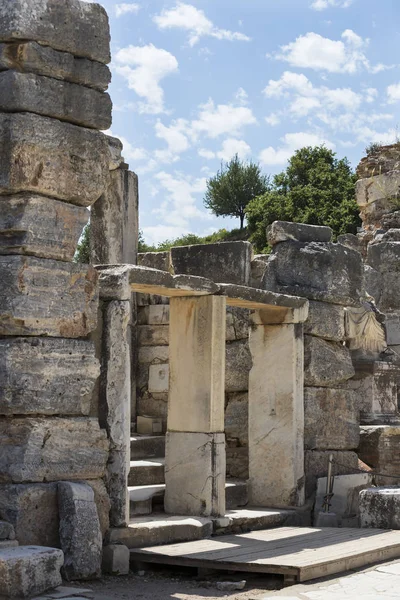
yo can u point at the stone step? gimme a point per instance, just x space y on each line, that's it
147 446
254 518
143 498
160 529
146 472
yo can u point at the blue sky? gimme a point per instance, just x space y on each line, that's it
195 82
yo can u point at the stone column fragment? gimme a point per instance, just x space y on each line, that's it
195 450
276 415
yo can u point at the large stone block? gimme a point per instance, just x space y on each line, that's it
40 226
47 297
316 465
384 256
71 26
325 321
114 221
380 448
326 364
383 160
80 534
318 271
32 508
153 335
381 187
27 571
30 57
331 419
27 92
238 364
376 387
40 449
237 417
49 157
380 507
157 314
237 323
155 260
226 262
195 474
282 231
46 376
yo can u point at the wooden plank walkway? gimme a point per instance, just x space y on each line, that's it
298 553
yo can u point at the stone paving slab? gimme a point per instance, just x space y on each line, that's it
66 593
381 582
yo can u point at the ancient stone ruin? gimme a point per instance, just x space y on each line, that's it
150 398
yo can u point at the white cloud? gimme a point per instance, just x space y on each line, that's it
273 119
313 51
151 66
176 138
233 146
207 154
125 8
241 96
291 143
323 4
393 93
194 21
223 119
180 205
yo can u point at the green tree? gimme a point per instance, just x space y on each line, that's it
82 253
316 188
233 187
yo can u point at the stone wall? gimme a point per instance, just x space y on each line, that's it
55 163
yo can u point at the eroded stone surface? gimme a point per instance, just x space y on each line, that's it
26 571
27 92
326 364
30 57
71 26
380 448
40 226
47 297
52 449
238 364
331 419
46 376
53 158
380 507
226 262
80 534
326 272
281 231
325 321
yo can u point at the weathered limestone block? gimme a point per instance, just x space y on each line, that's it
226 262
391 220
158 378
380 448
115 148
258 266
331 419
384 256
318 271
382 160
47 297
381 188
237 462
32 508
282 231
392 323
153 335
155 405
116 559
46 376
30 57
155 260
26 92
40 449
40 226
380 507
326 364
373 283
238 364
157 314
80 535
316 465
153 354
6 531
27 571
114 283
350 241
325 321
237 417
237 323
198 458
114 221
197 364
71 26
276 416
115 404
345 500
49 157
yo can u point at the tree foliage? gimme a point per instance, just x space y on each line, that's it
316 188
82 253
233 187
